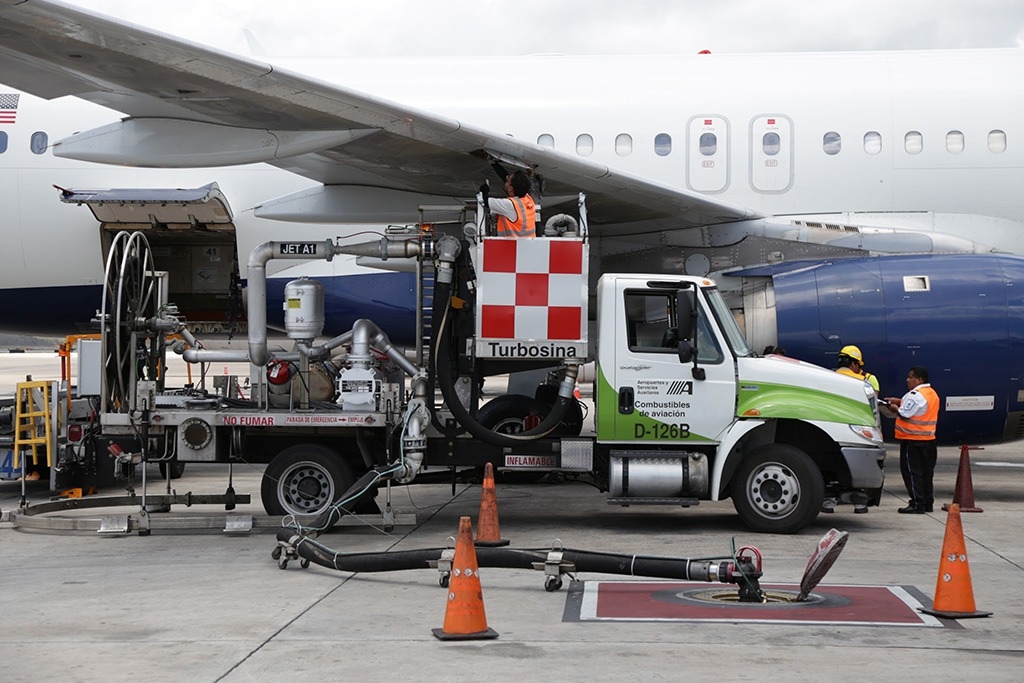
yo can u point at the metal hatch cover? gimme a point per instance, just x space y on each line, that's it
204 205
825 555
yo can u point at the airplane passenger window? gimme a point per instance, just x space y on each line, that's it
708 144
546 140
913 142
662 144
832 143
584 144
39 142
996 141
3 142
623 144
872 142
771 144
954 142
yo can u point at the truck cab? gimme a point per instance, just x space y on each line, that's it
686 409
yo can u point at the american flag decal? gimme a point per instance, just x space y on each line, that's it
8 107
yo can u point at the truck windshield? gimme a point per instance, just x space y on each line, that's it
726 322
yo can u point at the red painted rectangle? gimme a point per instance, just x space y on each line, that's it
500 256
564 322
566 257
498 322
531 289
668 601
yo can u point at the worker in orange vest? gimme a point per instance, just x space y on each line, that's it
516 212
917 416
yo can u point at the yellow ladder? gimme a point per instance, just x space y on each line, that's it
32 426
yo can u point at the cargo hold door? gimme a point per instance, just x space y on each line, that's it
192 235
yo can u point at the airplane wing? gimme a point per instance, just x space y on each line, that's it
343 137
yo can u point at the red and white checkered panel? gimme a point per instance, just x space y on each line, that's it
532 289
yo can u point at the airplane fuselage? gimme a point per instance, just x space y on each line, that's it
926 135
922 142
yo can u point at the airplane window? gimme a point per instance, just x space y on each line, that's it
662 144
872 142
913 142
584 144
954 142
832 143
771 144
546 140
623 144
38 142
708 144
996 141
3 142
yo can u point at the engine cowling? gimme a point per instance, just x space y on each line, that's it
959 315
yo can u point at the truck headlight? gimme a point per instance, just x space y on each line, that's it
871 433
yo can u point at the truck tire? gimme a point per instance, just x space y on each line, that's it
777 489
304 480
505 415
174 467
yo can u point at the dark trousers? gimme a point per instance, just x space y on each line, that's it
917 464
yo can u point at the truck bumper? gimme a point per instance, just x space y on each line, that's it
866 466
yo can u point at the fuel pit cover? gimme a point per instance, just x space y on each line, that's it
825 555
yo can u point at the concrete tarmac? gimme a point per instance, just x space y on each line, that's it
211 606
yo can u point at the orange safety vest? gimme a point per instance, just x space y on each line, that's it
525 223
920 427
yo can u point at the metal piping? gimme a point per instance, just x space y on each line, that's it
258 353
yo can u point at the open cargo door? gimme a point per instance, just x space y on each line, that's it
192 235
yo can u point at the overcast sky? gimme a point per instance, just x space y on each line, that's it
467 27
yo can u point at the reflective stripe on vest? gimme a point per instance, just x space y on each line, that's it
524 225
920 427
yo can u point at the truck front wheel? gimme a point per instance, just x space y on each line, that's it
777 489
304 480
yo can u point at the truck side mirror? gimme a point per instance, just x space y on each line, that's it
686 323
686 313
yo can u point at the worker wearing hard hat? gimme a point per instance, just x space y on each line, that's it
851 364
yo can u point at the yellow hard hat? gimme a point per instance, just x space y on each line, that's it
853 352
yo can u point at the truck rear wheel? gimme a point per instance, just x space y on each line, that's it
506 415
777 489
174 467
304 480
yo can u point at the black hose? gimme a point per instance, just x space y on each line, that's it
722 570
443 376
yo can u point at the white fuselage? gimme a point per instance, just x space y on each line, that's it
920 140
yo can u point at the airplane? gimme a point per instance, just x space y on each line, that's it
838 198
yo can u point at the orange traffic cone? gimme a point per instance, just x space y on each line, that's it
464 617
488 531
954 597
963 494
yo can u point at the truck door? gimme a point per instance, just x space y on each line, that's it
659 399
